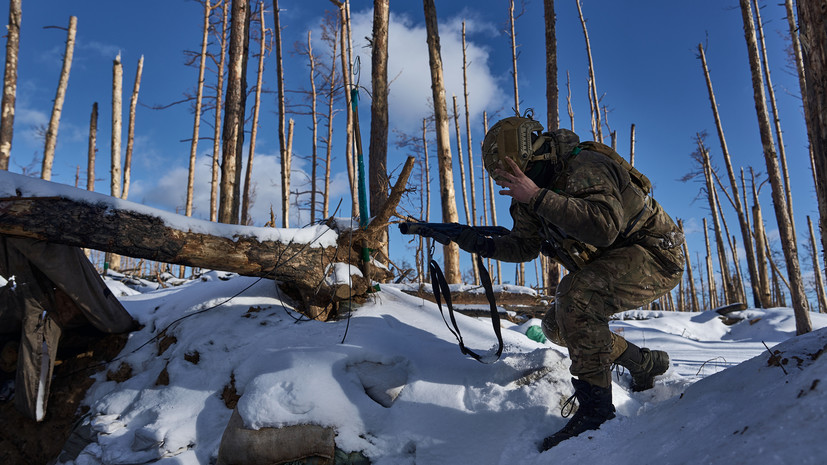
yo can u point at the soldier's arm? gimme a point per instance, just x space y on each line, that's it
523 243
590 210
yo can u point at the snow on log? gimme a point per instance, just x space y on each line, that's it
302 259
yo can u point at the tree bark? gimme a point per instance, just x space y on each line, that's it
285 168
117 113
783 218
632 145
93 151
378 150
346 53
760 250
10 82
130 132
314 128
446 176
331 95
199 93
60 96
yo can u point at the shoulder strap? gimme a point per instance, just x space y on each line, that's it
440 287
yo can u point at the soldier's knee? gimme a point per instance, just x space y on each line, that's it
551 329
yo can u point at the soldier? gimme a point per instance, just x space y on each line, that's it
587 208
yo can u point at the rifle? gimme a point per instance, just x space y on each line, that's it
444 233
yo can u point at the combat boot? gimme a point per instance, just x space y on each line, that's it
643 365
595 409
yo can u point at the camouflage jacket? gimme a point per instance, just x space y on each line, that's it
587 206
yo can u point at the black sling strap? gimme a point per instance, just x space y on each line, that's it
440 287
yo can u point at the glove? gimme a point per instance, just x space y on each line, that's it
471 241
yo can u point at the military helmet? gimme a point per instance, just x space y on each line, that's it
514 137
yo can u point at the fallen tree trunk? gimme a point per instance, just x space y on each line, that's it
301 259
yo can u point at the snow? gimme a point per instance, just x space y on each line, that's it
394 385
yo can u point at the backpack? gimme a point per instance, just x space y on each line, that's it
639 179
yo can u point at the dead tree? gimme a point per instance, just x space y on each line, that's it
130 131
693 296
760 248
713 208
710 275
247 196
819 282
330 33
467 209
378 150
346 53
552 113
443 140
813 35
491 199
632 145
93 138
199 93
10 82
776 119
597 131
783 218
219 105
117 113
736 198
60 96
234 109
285 165
512 35
802 83
468 132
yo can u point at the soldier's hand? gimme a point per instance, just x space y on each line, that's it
519 186
467 240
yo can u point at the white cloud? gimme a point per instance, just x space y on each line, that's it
409 68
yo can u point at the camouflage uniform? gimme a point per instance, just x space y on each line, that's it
620 248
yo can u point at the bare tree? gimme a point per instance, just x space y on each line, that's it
593 96
693 296
93 137
117 115
216 150
196 125
247 197
378 150
10 82
821 295
60 96
234 102
740 209
813 35
513 36
776 119
553 114
713 208
783 218
130 131
443 141
285 164
331 30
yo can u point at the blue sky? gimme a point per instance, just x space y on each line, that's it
646 70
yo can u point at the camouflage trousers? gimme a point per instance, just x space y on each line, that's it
619 280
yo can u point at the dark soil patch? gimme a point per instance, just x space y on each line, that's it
24 441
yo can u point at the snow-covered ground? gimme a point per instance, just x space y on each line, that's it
721 402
